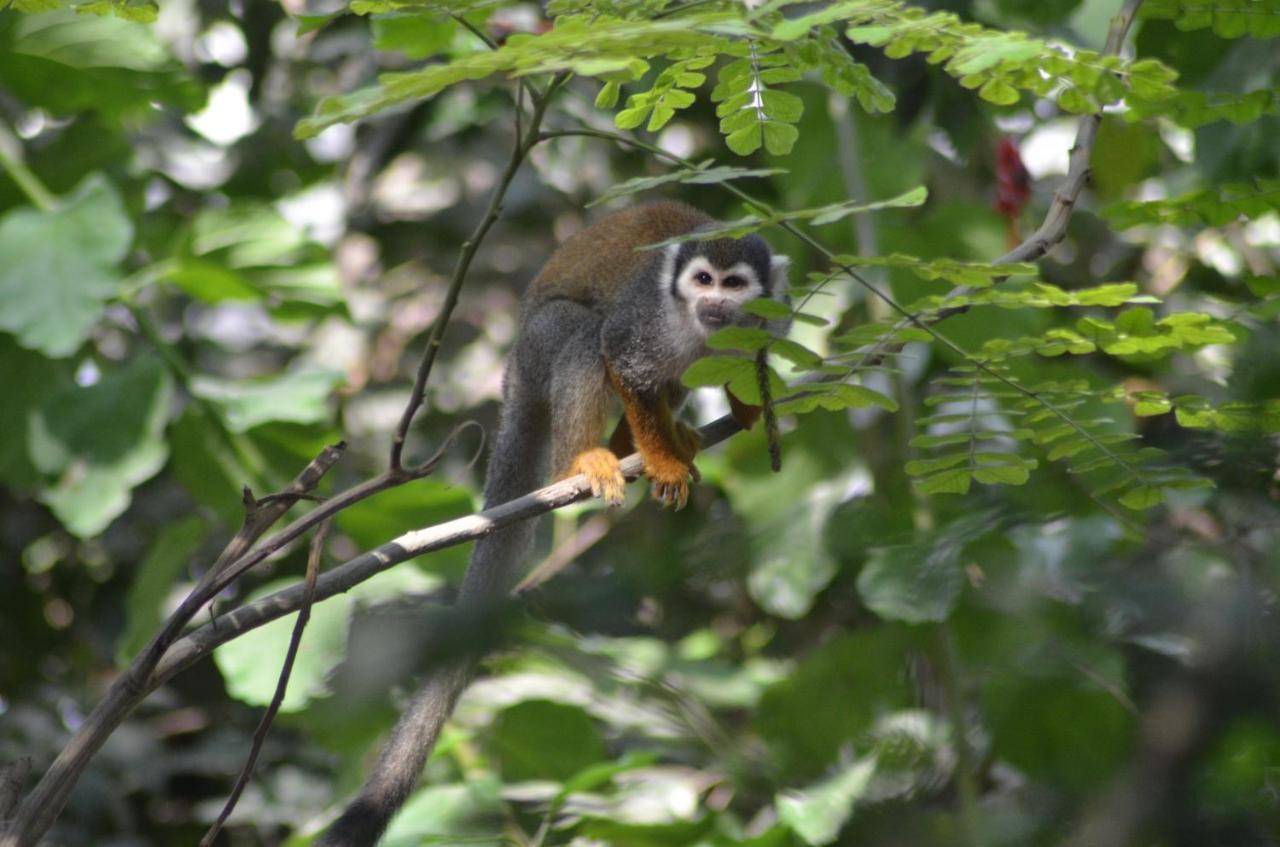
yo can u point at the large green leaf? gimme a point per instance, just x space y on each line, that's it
95 444
60 267
70 63
540 739
296 396
251 663
789 512
30 380
90 41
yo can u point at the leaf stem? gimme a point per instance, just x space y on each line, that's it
26 180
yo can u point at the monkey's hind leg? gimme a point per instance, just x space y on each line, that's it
579 400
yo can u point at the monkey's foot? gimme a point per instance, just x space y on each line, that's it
669 479
603 472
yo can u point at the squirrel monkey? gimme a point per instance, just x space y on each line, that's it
603 319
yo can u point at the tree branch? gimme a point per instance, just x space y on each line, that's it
230 625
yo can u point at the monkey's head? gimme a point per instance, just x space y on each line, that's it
714 279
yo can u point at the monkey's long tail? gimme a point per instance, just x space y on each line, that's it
516 467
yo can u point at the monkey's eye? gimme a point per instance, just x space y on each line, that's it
702 278
734 282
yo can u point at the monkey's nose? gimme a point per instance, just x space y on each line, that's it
714 315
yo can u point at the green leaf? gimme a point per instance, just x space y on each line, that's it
718 370
833 697
748 339
296 396
467 814
744 141
96 443
608 96
839 211
796 353
30 381
1227 18
766 308
417 36
920 582
1142 497
587 46
90 42
1148 403
1195 413
998 91
250 664
914 583
954 481
835 397
541 739
210 282
246 235
1216 206
955 271
700 174
818 813
69 63
1002 474
54 295
781 106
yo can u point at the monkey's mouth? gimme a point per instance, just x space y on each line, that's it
715 316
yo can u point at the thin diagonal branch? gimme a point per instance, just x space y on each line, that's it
524 142
282 684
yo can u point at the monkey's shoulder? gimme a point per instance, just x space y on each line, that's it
597 263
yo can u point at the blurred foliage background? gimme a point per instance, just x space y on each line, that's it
193 300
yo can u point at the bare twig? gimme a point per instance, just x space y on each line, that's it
282 685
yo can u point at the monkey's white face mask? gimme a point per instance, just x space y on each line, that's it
714 296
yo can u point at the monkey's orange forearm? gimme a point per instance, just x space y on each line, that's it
668 448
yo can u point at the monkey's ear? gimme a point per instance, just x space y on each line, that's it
778 267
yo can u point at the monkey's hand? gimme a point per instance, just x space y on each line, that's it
603 472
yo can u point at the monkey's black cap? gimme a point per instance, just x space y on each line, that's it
726 252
